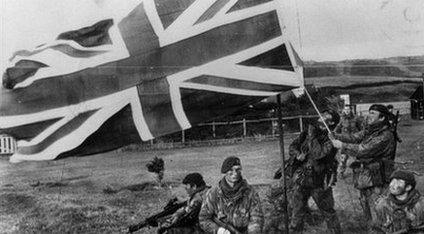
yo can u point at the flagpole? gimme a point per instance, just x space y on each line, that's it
283 163
330 134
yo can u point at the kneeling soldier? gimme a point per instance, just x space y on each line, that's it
233 206
180 217
402 210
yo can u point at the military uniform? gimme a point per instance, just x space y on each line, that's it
186 219
348 125
373 148
239 206
313 177
403 208
394 215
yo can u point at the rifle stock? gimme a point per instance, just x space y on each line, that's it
227 226
169 209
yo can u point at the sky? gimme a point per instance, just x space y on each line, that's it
320 30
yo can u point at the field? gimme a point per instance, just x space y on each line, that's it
368 89
107 192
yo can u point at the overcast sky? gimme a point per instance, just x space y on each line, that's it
323 30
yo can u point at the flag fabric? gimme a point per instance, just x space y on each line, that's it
168 65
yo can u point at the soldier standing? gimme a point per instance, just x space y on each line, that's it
402 210
373 148
233 206
314 166
349 124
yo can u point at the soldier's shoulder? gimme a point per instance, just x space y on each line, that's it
420 202
387 132
382 202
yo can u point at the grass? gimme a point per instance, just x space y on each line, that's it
107 192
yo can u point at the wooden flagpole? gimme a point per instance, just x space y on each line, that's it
283 162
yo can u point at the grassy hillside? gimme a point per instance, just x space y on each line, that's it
395 66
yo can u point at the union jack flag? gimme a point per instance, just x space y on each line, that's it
166 66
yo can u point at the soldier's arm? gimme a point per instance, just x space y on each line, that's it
256 221
207 212
294 148
419 213
321 150
371 148
350 138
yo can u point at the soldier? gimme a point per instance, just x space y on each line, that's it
314 166
233 206
402 210
186 219
372 148
180 217
349 124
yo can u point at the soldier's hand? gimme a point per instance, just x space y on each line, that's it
337 144
301 157
133 228
222 230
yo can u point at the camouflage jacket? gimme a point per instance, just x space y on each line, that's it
393 215
244 211
348 125
189 214
320 156
372 144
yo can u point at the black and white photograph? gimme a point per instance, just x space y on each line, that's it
212 116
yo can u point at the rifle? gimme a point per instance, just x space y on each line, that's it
171 207
395 125
410 230
225 225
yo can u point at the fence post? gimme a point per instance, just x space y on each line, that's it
244 128
272 128
183 136
301 124
213 129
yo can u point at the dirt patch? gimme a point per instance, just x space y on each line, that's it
13 203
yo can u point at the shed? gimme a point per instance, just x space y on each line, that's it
417 104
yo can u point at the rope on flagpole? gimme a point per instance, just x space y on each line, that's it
330 134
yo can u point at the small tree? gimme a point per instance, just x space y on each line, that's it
157 166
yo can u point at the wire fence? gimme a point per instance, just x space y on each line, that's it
221 133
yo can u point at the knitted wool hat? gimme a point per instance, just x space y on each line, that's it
380 108
407 176
194 178
229 163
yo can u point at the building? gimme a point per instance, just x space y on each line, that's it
417 104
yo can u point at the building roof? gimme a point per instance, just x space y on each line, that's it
418 94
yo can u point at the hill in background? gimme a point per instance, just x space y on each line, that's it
412 66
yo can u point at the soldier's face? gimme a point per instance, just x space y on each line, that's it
233 175
190 189
373 117
328 120
397 187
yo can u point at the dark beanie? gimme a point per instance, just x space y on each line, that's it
380 108
194 178
229 163
407 176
